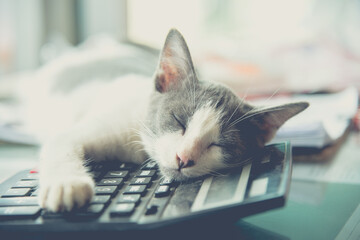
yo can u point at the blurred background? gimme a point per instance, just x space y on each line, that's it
257 47
299 45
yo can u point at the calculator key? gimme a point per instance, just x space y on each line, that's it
105 190
92 211
50 215
95 208
146 173
26 184
100 199
35 193
131 198
34 170
110 182
162 191
141 181
150 166
122 209
19 201
16 192
23 212
167 181
31 176
117 174
152 209
135 189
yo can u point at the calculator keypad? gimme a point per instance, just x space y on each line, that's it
124 188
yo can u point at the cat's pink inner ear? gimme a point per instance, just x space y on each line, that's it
175 62
167 77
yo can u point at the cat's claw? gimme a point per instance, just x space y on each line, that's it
66 193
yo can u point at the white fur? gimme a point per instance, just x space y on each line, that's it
203 129
112 121
105 119
100 117
46 108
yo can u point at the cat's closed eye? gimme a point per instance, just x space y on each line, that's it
215 145
181 124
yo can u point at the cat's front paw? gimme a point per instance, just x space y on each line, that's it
65 193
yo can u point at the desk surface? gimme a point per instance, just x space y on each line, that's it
303 220
315 210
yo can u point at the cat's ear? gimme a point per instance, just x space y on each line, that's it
269 120
175 64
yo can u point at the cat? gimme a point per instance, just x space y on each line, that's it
190 128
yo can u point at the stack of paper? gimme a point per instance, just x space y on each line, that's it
326 119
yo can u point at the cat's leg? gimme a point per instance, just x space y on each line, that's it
64 181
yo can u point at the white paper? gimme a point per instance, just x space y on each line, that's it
323 122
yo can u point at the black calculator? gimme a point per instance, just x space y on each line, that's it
132 198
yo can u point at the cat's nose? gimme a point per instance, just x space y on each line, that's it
184 162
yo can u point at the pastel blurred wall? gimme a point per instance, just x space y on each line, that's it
299 42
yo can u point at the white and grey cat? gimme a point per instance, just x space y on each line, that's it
189 127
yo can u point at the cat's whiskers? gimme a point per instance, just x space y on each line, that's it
137 133
260 112
251 113
255 110
232 114
266 101
243 117
134 142
272 95
194 97
193 86
200 100
185 111
192 94
231 130
141 150
235 121
241 102
188 75
212 172
239 164
188 92
144 149
147 130
139 144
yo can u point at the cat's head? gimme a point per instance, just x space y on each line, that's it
195 128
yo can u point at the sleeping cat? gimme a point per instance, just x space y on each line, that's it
188 127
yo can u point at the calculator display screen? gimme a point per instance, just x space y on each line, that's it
222 190
218 193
